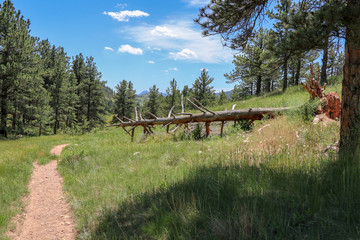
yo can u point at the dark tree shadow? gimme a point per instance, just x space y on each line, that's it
240 203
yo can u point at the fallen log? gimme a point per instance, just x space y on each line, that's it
232 115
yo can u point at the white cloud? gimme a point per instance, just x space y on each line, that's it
162 31
184 54
121 5
171 69
129 49
182 39
151 62
123 16
109 49
197 2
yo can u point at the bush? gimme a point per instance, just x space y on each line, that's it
196 133
306 112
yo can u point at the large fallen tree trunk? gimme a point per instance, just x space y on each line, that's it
182 118
207 116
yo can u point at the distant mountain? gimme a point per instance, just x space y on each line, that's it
147 92
143 93
228 93
142 97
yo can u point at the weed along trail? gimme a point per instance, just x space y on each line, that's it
47 215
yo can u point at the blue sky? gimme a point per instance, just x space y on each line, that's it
146 42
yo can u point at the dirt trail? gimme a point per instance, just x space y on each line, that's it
48 215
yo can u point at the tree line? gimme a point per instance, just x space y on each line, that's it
160 104
42 90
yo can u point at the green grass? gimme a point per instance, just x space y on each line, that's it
279 181
261 185
16 158
293 97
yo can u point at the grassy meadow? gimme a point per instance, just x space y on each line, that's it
16 158
281 180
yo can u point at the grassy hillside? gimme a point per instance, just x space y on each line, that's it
279 181
293 97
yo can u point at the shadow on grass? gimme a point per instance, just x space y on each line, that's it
240 203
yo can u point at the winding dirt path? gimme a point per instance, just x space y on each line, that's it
48 215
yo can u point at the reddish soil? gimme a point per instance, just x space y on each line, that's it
48 215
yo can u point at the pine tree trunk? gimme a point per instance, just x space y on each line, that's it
268 85
350 107
89 103
293 73
56 119
298 69
323 78
4 110
285 74
14 122
40 129
258 85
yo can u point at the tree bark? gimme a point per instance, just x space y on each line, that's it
268 85
89 103
293 73
298 69
14 121
323 78
285 74
258 85
350 112
56 119
4 110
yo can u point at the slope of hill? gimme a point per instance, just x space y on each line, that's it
278 181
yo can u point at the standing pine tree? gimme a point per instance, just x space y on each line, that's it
239 93
223 98
69 101
280 44
153 103
173 95
56 78
253 65
124 99
120 99
93 91
79 71
202 89
130 100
